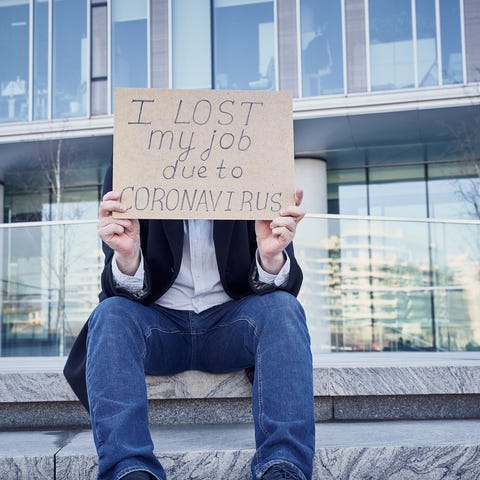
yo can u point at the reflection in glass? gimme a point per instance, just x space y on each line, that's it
40 60
398 191
370 285
28 191
42 310
244 45
14 55
384 285
347 192
191 44
391 44
452 62
426 43
455 252
129 43
322 53
70 58
453 191
398 199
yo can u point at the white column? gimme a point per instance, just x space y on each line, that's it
311 175
312 252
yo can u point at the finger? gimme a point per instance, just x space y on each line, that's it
286 222
298 196
111 203
127 224
111 196
283 233
107 207
297 213
112 229
293 211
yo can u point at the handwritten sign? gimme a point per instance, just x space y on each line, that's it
216 154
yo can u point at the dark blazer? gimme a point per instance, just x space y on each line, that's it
162 244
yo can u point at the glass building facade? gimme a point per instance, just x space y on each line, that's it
385 100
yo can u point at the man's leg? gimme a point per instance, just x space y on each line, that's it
270 332
118 345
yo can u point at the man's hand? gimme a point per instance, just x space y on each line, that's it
120 234
274 236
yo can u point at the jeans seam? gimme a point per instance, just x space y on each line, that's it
133 468
92 408
241 319
261 471
203 332
176 332
144 346
260 395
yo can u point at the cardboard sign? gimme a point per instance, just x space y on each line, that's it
216 154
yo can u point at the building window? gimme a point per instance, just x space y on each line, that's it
70 58
40 60
397 191
448 20
129 43
427 58
391 44
244 44
418 49
406 284
451 34
191 44
322 47
14 52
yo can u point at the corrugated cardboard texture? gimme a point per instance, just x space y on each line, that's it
216 154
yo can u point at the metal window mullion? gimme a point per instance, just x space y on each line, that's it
299 50
462 35
367 45
50 61
170 43
275 46
109 56
149 46
276 50
212 44
344 48
89 59
414 43
439 42
30 61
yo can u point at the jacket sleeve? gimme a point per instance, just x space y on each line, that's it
295 276
111 289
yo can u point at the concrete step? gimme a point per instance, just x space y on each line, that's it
348 386
400 450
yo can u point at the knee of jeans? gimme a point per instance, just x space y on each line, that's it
110 314
287 312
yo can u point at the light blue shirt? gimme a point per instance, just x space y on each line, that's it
197 286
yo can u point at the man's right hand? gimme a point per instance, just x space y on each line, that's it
120 234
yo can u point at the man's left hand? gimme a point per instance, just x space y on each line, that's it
275 235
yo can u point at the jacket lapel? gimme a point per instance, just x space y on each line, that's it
174 233
222 238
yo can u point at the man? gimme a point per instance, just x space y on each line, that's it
216 296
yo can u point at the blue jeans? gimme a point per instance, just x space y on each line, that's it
127 340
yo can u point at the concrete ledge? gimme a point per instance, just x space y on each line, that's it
40 379
348 386
428 450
